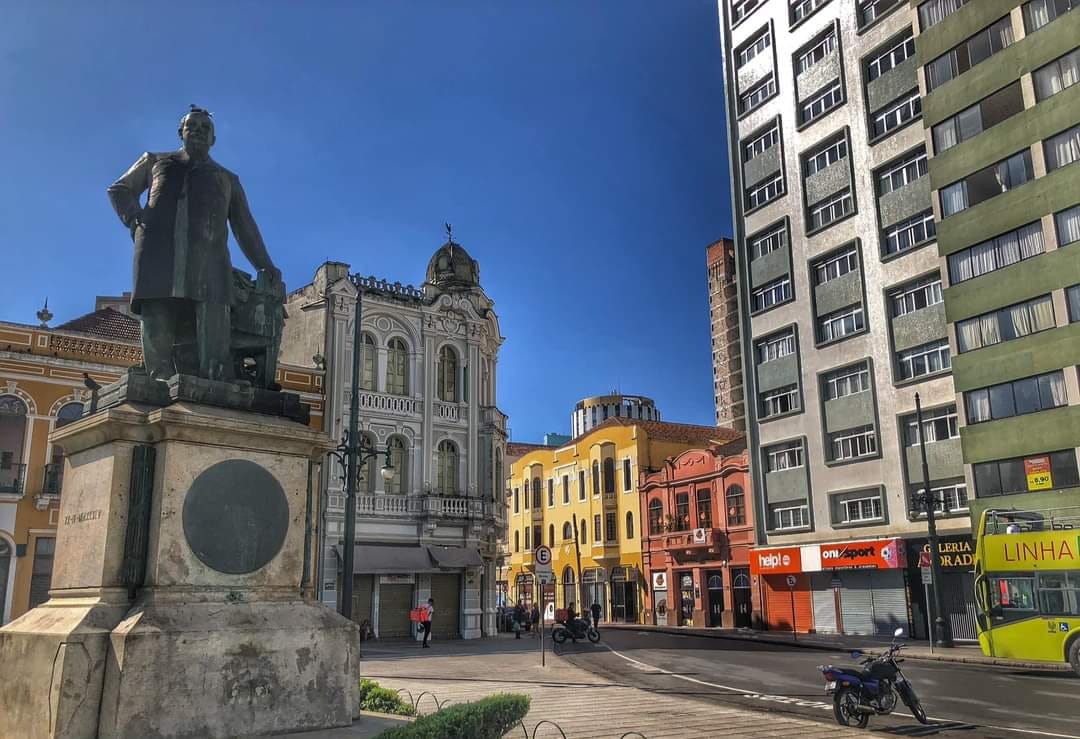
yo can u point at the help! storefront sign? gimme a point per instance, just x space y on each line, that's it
776 561
880 554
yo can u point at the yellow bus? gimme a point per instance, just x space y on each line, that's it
1027 585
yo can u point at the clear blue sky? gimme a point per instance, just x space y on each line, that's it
577 148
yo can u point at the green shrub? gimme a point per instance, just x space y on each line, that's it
375 698
489 718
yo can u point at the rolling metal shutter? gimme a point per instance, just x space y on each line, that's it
395 601
856 603
446 590
778 599
362 586
824 603
889 601
958 590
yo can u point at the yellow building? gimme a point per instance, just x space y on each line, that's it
42 374
592 482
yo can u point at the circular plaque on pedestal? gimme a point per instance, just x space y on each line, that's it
236 516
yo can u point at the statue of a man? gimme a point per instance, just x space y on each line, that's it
183 279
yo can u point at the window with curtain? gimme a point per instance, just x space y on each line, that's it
1072 297
704 508
448 468
595 478
736 506
1006 324
656 517
682 511
1016 398
1062 149
551 492
399 462
447 375
987 183
538 495
627 481
1058 75
397 363
1068 225
609 475
367 363
996 253
933 12
1007 476
629 525
1037 13
967 54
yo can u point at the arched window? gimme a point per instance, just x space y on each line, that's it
68 412
517 500
499 481
629 525
448 468
367 362
715 582
736 506
656 517
538 496
567 531
397 364
399 462
704 509
584 532
609 475
12 436
595 478
551 534
682 511
517 541
569 589
54 470
527 547
447 375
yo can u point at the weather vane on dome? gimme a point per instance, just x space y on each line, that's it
449 233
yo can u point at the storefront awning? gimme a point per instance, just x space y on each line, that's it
374 559
450 558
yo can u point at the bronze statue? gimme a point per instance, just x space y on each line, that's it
189 298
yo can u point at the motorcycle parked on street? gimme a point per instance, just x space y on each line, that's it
580 629
860 693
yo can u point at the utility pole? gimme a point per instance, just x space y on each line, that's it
942 629
353 440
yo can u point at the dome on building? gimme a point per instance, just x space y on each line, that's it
451 266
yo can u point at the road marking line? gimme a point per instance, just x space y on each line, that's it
813 704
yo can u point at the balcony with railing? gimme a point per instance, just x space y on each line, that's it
692 540
492 416
12 478
451 411
53 480
386 403
442 506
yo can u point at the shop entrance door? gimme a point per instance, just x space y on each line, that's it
742 597
716 599
686 599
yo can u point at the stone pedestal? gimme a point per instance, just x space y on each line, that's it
199 512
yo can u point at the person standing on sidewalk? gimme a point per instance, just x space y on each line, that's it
429 613
519 620
595 615
534 616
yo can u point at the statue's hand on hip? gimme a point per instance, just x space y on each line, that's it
136 221
273 273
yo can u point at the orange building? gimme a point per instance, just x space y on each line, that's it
43 385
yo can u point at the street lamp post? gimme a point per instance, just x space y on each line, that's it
942 630
352 452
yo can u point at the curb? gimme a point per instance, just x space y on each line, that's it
956 659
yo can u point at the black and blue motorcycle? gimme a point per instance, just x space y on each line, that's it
859 694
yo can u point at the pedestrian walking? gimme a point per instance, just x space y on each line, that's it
535 615
519 620
429 614
595 615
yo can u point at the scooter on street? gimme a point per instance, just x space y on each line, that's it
860 693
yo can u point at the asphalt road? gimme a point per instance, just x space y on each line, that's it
962 700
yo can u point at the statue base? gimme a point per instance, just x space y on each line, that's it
200 512
138 387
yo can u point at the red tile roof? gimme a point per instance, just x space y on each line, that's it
105 324
520 449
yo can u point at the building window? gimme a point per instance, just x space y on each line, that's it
517 500
448 468
935 11
775 347
787 456
41 574
794 517
900 51
852 444
766 192
1068 225
566 489
909 233
398 484
581 485
367 363
773 293
447 375
757 95
927 359
846 381
801 9
567 531
996 253
939 424
761 143
767 242
656 517
1009 476
1016 398
609 475
836 264
584 531
1058 75
595 477
821 103
742 8
611 530
902 172
538 494
1072 297
704 508
780 401
871 10
832 153
838 324
551 535
981 116
629 525
986 183
819 48
916 295
682 511
1062 149
949 498
753 47
627 480
598 534
861 510
736 506
397 362
906 108
551 492
1005 324
1038 13
967 54
831 210
517 540
528 546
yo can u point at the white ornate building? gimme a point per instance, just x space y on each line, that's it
428 390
